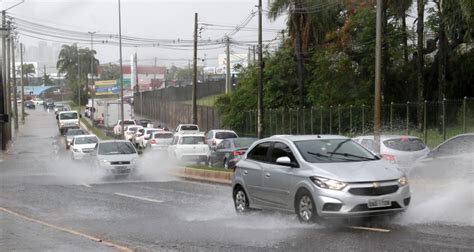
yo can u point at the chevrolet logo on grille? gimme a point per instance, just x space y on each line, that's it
376 185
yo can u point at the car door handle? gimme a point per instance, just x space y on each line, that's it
246 172
267 174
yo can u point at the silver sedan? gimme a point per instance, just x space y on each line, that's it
318 176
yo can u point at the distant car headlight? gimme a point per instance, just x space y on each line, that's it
328 183
77 123
403 181
134 161
104 161
61 124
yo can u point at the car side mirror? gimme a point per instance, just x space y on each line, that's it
286 161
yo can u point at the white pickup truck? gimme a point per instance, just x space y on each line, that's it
186 128
67 120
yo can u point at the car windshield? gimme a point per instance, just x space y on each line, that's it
86 140
75 132
192 140
405 144
114 148
163 135
225 135
333 150
243 143
68 116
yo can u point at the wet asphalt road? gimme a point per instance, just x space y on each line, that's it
49 203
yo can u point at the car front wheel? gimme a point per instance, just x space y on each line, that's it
305 207
241 202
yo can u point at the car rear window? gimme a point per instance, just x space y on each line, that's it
192 140
225 135
73 132
129 123
163 135
67 116
405 144
243 143
189 127
86 140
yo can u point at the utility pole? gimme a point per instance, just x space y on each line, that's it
195 68
121 71
377 96
7 62
79 80
44 75
154 71
253 53
3 94
248 58
92 77
15 103
22 85
137 88
227 66
260 74
300 70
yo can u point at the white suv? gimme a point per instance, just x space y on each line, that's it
215 137
189 147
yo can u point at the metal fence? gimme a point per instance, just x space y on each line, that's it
432 121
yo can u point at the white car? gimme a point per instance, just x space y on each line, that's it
186 128
159 140
142 136
130 131
400 150
83 146
118 126
215 137
37 101
189 147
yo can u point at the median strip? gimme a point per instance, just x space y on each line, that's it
138 197
67 230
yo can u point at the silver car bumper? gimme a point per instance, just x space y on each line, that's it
361 199
119 169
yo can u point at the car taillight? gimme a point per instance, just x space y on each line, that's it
388 157
238 153
153 141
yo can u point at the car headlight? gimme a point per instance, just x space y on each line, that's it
328 183
104 161
61 124
75 150
134 161
77 123
403 181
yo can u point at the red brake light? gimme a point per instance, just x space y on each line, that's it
153 141
388 157
238 153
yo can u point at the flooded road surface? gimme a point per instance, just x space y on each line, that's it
48 202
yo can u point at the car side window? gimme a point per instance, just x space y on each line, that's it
209 135
259 153
282 150
458 145
175 140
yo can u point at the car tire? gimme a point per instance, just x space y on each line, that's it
305 207
241 202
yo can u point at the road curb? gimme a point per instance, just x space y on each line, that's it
203 175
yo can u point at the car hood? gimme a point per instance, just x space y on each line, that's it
364 171
117 157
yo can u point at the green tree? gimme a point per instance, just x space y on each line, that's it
110 72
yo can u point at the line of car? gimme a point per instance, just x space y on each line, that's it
314 176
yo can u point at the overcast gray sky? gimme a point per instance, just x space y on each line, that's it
160 19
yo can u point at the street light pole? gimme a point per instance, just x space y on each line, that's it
260 74
22 84
92 77
121 70
377 96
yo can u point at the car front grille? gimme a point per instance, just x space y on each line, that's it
365 208
374 191
87 150
120 163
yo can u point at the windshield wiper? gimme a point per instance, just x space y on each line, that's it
351 155
318 155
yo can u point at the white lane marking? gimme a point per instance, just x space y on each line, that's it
371 229
67 230
86 185
138 197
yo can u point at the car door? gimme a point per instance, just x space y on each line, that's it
278 179
222 153
252 171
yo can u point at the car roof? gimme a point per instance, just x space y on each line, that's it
90 135
385 137
69 111
305 137
114 141
222 130
191 134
